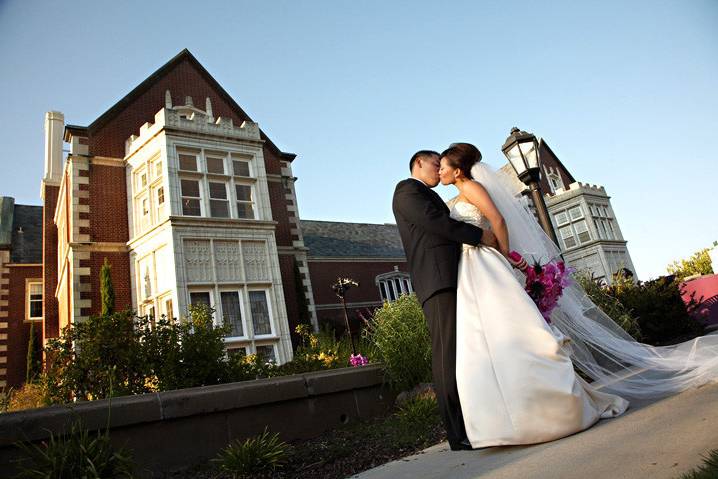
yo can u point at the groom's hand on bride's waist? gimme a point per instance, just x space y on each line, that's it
488 238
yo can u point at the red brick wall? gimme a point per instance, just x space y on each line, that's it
324 274
18 329
120 274
49 262
184 80
278 204
108 204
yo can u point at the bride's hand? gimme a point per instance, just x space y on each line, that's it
516 260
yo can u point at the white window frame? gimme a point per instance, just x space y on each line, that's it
199 198
250 319
227 198
271 345
252 202
242 312
389 282
28 287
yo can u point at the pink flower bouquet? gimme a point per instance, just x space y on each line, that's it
545 283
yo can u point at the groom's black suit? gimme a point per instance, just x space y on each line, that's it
432 242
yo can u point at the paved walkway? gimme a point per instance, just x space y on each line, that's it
659 440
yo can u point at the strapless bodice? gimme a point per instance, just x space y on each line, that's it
468 213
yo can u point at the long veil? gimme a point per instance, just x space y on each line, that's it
599 347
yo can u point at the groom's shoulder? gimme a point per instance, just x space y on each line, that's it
407 183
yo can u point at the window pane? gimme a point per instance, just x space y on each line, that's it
160 195
217 190
36 288
219 208
231 313
561 218
191 208
245 210
190 188
196 299
241 168
36 308
187 162
266 353
260 312
382 291
215 165
236 351
576 213
168 309
244 192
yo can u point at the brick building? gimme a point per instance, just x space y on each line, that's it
20 286
188 200
370 254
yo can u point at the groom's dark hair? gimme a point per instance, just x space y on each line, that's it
421 154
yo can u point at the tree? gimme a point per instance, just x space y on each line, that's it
698 264
33 356
107 292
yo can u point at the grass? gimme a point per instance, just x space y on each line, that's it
708 470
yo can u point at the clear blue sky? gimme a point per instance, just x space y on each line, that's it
624 92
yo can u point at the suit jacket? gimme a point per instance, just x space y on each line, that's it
432 239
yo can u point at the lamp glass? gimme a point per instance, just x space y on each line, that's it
515 158
530 153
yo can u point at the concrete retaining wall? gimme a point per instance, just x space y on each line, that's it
175 429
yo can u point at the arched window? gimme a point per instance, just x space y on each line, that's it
393 284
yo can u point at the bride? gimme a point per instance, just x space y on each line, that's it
514 372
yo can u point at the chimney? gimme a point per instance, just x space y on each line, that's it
54 128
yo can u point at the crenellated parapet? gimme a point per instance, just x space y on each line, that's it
579 187
192 120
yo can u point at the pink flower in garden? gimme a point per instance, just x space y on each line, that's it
358 360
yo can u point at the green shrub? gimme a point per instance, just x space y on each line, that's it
76 453
708 470
421 409
658 307
699 263
95 356
257 455
609 304
5 395
29 396
401 341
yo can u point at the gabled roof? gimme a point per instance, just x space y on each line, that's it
336 239
27 235
184 55
544 145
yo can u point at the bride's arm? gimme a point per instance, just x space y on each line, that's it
480 198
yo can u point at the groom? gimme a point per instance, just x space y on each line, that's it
432 242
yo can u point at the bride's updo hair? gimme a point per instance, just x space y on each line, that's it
462 156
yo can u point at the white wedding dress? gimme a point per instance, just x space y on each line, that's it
514 373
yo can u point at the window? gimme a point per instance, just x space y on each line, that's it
582 231
231 313
575 213
187 162
394 284
567 236
241 168
158 169
160 195
191 198
143 180
266 353
234 351
168 309
245 208
145 207
215 165
260 312
561 218
34 300
218 203
555 181
199 297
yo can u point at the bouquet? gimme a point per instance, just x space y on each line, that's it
545 283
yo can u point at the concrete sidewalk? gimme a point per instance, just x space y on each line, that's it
659 440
